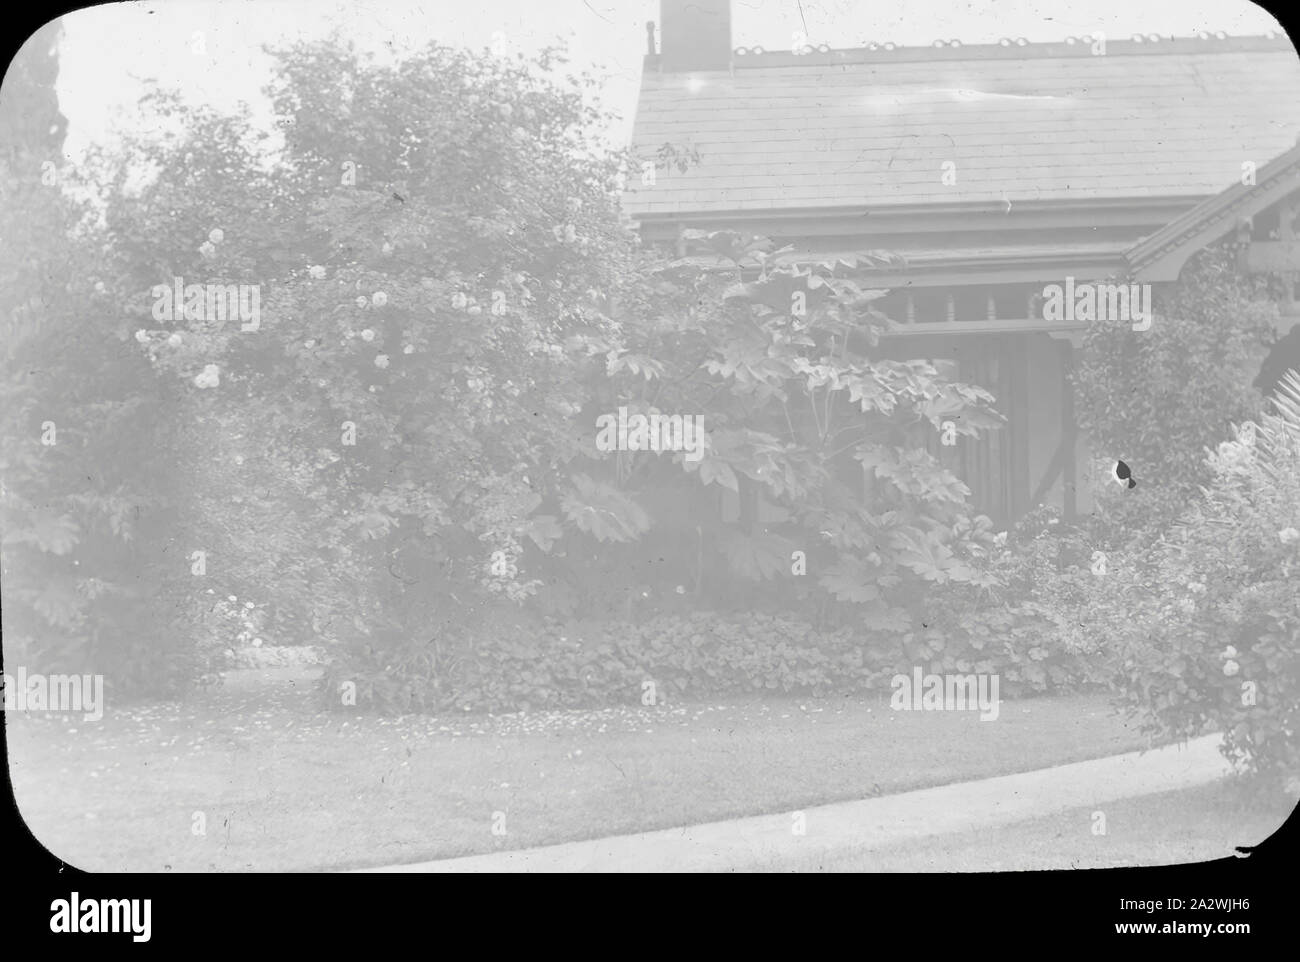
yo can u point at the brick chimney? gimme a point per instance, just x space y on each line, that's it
694 35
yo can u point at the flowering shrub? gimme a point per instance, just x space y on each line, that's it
1213 636
378 446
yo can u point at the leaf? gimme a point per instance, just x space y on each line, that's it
923 554
732 245
715 470
641 364
850 579
757 557
603 511
778 288
913 471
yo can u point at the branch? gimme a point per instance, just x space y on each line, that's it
785 409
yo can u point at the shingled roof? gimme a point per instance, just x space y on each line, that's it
1035 122
1161 256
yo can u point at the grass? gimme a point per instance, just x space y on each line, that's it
282 786
1172 828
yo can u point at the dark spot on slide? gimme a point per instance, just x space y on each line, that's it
1122 474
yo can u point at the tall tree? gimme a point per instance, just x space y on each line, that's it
81 463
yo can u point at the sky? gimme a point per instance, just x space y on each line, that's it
111 52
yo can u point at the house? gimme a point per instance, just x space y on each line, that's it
995 170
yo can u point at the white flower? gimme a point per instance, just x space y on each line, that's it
310 344
216 235
1287 535
1000 538
387 248
381 360
1228 652
409 349
316 271
174 340
459 300
1235 456
99 287
379 299
361 301
681 589
367 335
142 335
1196 588
1230 668
248 604
206 249
211 377
257 642
232 598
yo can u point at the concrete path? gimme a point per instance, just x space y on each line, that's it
766 841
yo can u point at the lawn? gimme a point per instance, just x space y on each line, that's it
1172 828
283 786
